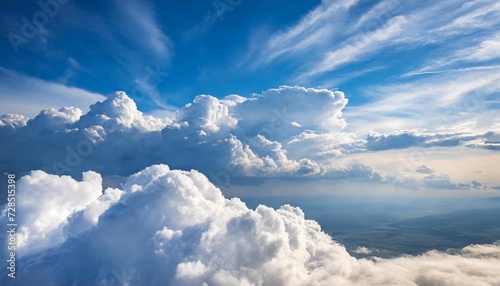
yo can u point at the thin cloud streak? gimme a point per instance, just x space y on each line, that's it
27 95
145 29
410 74
334 42
355 51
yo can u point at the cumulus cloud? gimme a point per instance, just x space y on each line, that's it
174 227
287 111
285 131
50 203
11 122
56 119
281 133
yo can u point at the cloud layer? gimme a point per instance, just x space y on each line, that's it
281 133
412 138
174 227
237 135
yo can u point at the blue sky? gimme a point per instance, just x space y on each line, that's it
251 47
85 43
419 77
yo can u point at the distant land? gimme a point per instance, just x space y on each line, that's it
391 227
415 236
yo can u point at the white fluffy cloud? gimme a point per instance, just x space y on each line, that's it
11 122
206 113
281 133
174 227
290 110
119 112
56 119
270 134
49 203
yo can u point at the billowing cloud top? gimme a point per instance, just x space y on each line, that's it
244 136
171 227
282 132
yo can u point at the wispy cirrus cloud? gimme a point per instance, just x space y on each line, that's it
465 31
359 47
314 31
443 99
469 16
27 95
377 14
486 51
338 34
141 27
475 68
127 27
329 36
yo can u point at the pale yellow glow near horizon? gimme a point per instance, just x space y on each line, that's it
461 164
